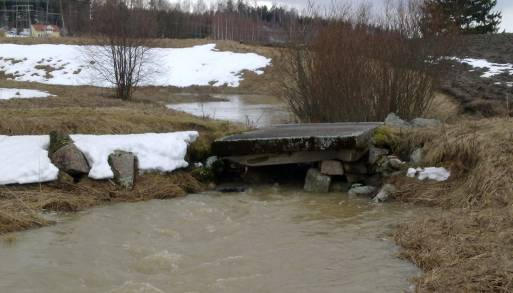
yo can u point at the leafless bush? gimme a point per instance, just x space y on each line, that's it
123 34
358 69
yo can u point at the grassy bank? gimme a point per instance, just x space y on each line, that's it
465 244
89 110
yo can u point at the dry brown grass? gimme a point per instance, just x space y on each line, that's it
466 245
21 207
444 108
91 110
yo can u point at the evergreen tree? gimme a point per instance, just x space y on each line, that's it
466 16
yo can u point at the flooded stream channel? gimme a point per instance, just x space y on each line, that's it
265 240
251 110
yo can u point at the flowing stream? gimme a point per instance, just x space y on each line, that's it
274 239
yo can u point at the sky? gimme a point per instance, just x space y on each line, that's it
506 6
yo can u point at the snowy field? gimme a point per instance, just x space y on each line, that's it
7 94
25 158
492 69
68 65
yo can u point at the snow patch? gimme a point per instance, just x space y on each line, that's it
7 94
68 65
163 152
25 160
432 173
493 69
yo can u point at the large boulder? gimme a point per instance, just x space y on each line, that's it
423 122
385 192
332 167
58 139
376 153
123 165
395 121
317 182
69 159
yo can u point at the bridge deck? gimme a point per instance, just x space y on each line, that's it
293 138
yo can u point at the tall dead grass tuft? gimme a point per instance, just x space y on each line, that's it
21 207
465 246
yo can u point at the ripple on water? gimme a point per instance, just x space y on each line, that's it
135 287
266 240
160 262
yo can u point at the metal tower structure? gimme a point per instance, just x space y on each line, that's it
22 16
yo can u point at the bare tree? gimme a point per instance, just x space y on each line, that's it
124 37
358 69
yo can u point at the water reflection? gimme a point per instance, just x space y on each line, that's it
252 110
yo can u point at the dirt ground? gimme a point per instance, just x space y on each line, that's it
486 97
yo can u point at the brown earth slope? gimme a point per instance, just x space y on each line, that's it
483 96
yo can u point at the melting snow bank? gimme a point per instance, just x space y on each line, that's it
438 174
25 158
7 94
68 65
155 152
493 68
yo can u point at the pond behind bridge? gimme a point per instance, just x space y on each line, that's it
271 239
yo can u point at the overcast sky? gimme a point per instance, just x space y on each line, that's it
506 6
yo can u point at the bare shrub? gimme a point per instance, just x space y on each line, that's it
356 69
123 34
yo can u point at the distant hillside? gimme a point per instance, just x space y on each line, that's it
486 96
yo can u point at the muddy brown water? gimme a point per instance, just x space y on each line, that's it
267 240
251 110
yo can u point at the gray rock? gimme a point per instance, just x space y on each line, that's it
58 139
375 154
395 163
210 161
393 120
65 178
416 156
231 187
423 122
70 160
332 167
317 182
362 190
351 155
123 165
385 192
